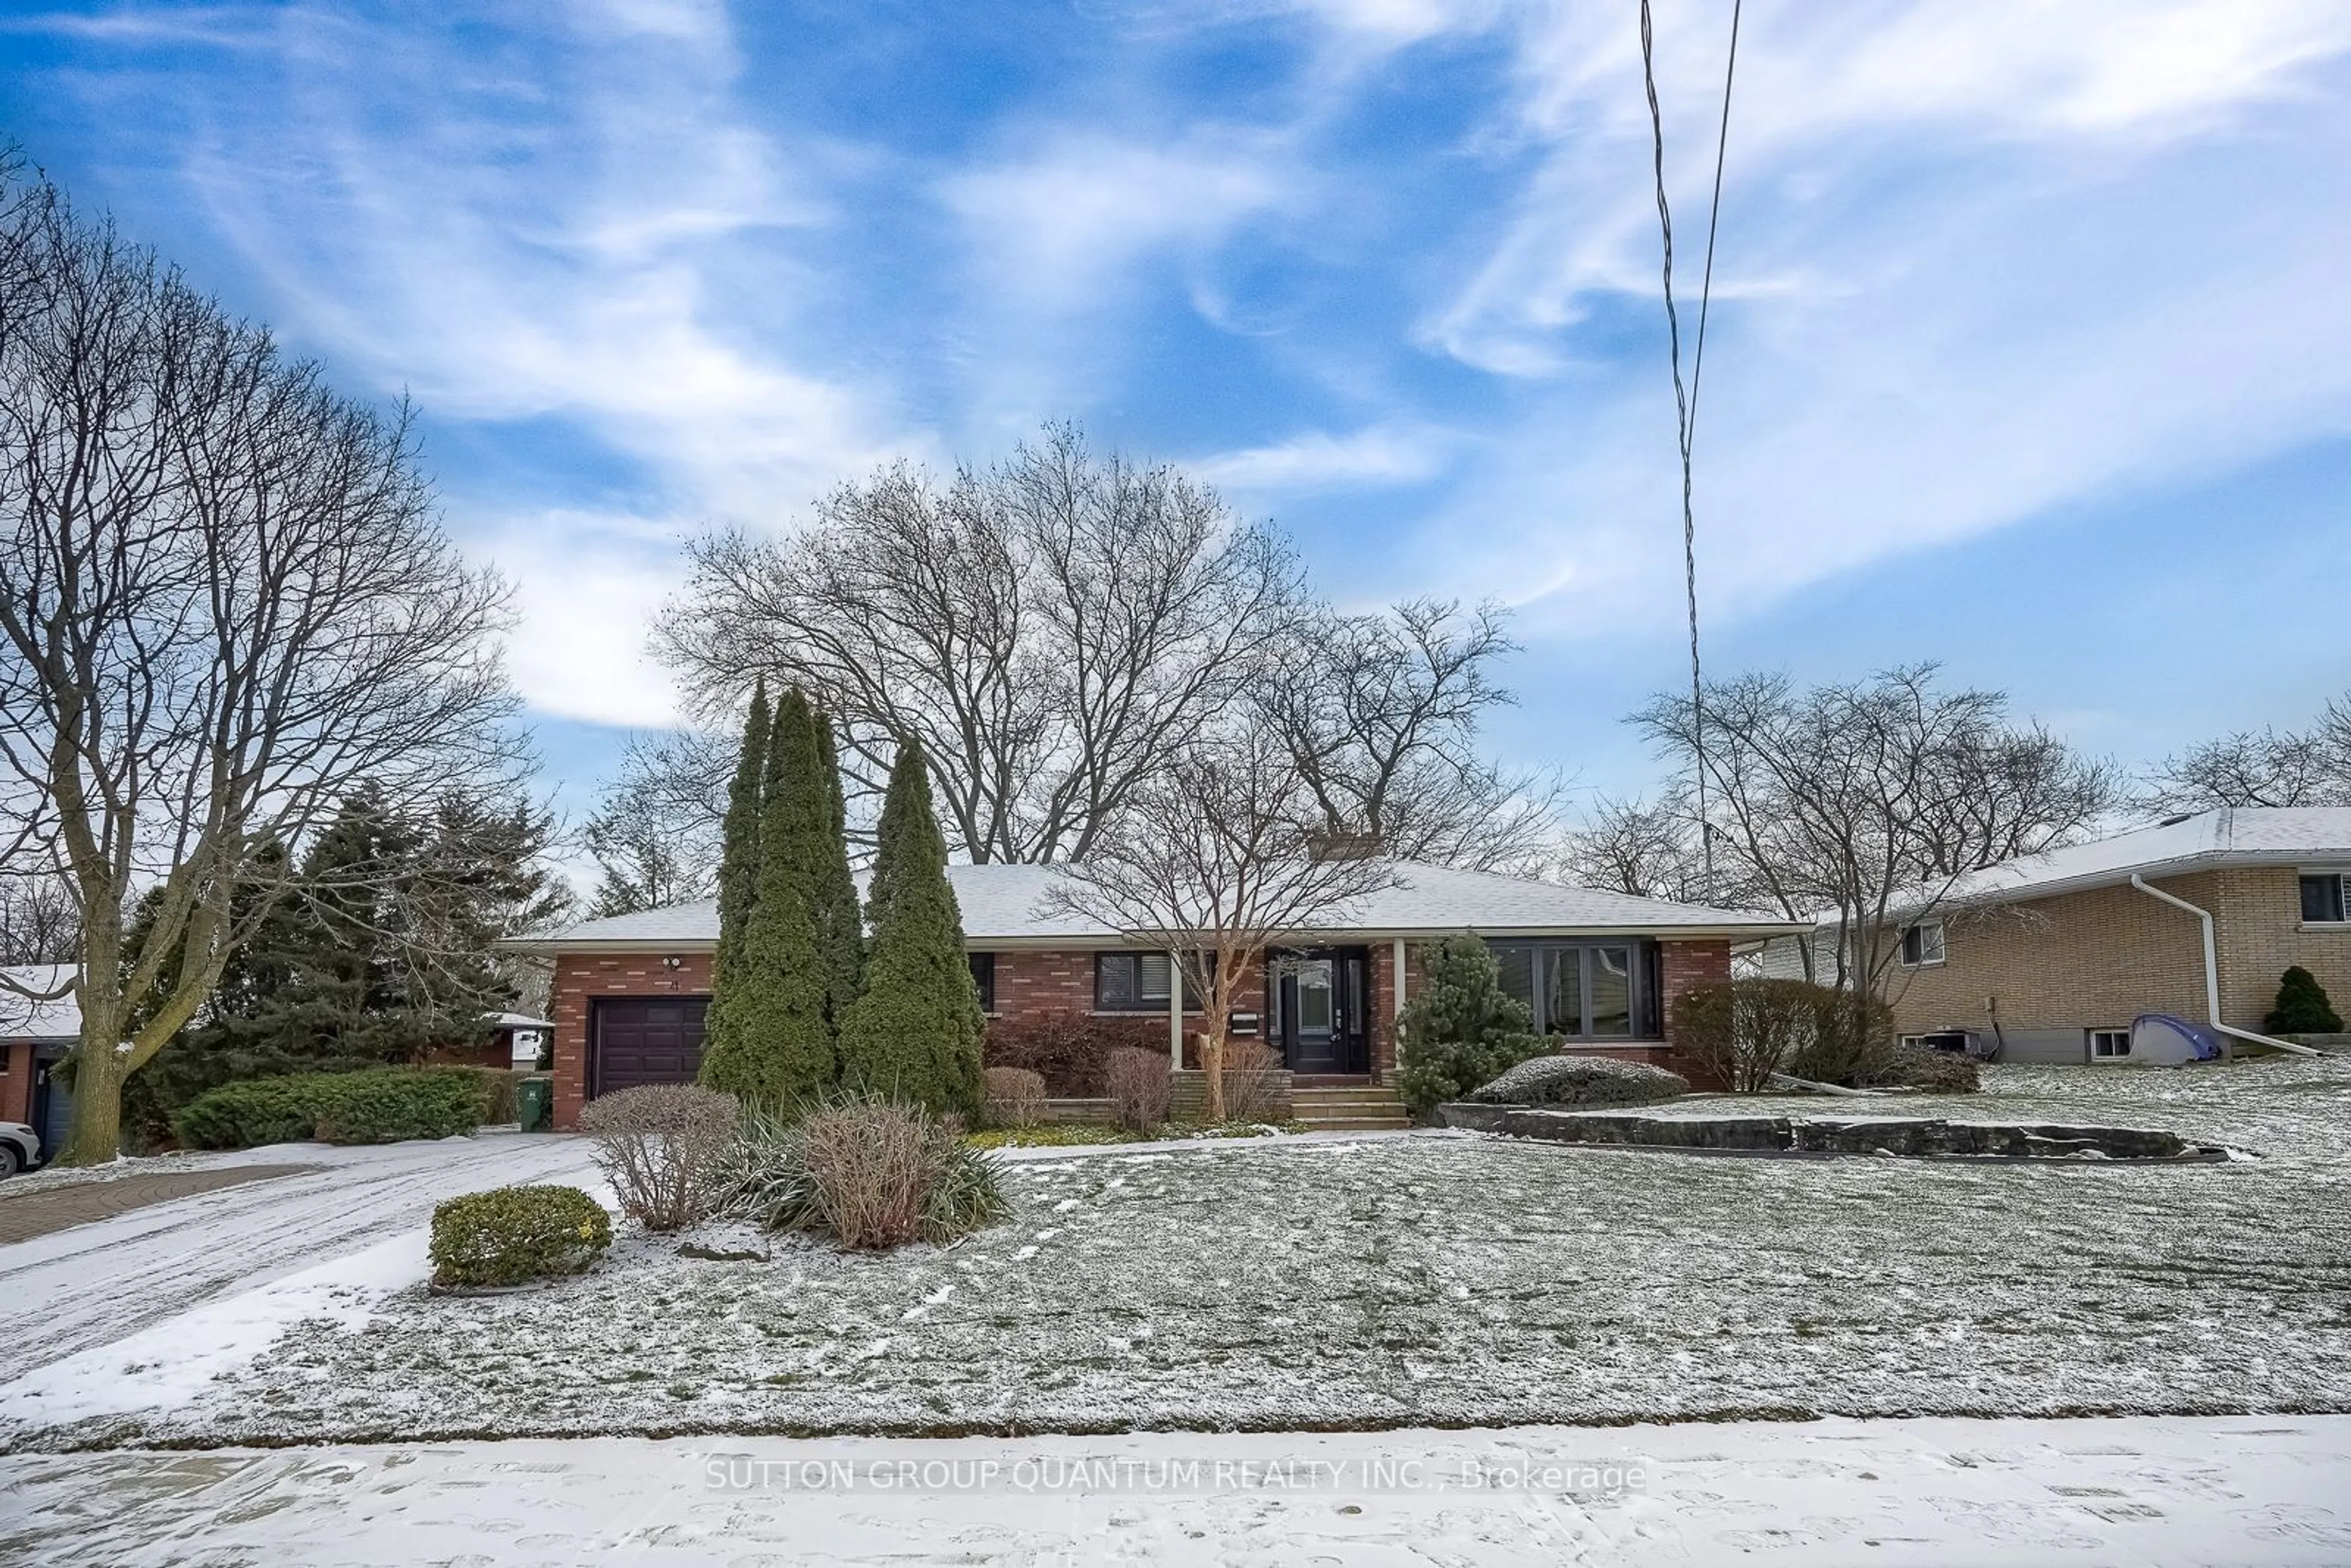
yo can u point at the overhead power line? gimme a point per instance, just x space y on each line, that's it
1686 401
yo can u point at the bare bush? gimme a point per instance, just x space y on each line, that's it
1140 1087
1070 1049
1741 1032
664 1147
1253 1086
1015 1097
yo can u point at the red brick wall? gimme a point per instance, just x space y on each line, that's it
16 1083
1684 967
1033 982
580 976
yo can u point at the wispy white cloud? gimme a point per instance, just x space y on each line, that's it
588 587
1318 460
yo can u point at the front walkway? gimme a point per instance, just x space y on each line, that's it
2161 1490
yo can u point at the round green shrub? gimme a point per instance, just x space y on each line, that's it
512 1234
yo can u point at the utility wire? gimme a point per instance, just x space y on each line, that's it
1686 401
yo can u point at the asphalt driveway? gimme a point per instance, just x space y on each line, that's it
92 1283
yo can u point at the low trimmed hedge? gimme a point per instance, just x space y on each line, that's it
513 1234
379 1105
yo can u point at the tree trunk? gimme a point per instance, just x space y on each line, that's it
98 1074
1212 1062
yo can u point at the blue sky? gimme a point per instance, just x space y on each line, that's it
2031 348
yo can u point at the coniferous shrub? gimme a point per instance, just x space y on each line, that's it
2303 1006
1460 1029
913 1033
841 929
513 1234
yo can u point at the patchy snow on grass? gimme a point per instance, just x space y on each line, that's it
2157 1490
1422 1281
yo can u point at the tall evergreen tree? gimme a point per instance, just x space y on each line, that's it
772 1044
839 926
915 1028
738 881
738 868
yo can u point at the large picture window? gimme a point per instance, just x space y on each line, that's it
1584 990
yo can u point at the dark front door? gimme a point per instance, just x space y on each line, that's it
1319 1006
647 1040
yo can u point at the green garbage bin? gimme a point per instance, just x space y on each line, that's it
535 1104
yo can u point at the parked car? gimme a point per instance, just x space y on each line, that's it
20 1148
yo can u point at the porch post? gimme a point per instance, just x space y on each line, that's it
1396 957
1174 1012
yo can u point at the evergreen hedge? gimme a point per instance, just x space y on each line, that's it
379 1105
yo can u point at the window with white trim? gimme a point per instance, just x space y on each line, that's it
2109 1045
2322 898
1922 945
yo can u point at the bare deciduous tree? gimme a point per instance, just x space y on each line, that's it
1648 849
1380 715
2265 768
1868 801
1049 628
1215 862
224 602
652 835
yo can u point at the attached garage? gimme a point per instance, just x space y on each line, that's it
646 1039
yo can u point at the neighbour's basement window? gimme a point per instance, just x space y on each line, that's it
1922 945
1132 982
983 980
2322 897
2105 1044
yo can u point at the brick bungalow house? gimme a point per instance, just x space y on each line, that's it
2049 958
1599 969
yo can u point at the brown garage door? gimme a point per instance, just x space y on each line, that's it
647 1040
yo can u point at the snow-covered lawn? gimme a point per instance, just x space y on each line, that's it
2157 1490
1430 1280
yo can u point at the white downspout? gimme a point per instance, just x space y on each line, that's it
2212 981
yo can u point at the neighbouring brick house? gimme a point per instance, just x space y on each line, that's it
2049 958
35 1037
1599 969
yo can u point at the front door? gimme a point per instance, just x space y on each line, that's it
1318 1009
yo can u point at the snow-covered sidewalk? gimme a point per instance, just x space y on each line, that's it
1933 1491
